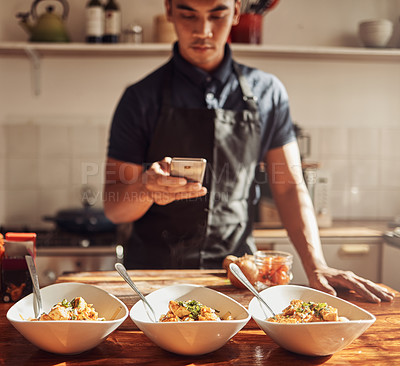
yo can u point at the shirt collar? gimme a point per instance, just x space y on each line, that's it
199 76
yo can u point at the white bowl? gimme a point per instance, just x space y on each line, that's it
375 32
68 336
189 338
312 339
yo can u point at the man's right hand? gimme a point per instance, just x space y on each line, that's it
164 189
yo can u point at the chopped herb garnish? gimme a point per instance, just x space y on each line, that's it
66 303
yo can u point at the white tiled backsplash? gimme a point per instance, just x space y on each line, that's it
363 164
46 164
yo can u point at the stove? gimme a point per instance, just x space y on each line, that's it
59 251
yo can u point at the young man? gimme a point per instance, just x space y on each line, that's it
202 104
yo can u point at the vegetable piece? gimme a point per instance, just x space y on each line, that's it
247 266
273 272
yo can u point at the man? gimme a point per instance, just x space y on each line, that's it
202 104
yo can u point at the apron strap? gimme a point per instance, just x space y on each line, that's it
248 95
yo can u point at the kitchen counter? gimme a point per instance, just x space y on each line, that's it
127 345
337 230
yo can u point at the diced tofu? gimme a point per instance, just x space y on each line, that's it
329 314
178 310
59 313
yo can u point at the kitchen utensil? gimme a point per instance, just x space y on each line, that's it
48 27
87 219
82 220
37 303
124 274
257 6
242 278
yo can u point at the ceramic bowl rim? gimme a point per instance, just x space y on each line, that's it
124 307
357 321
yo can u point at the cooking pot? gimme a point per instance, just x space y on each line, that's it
82 220
86 219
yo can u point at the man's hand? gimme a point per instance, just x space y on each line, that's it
327 279
164 189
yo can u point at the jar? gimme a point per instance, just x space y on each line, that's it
133 34
164 31
274 268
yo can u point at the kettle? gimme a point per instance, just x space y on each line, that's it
48 27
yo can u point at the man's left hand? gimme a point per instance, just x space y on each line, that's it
327 279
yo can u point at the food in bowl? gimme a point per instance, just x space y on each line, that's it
67 336
76 309
307 312
189 337
315 338
191 310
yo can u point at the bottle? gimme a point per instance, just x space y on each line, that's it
112 23
94 21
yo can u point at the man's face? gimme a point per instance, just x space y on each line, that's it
202 27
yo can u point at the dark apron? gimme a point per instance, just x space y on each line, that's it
200 232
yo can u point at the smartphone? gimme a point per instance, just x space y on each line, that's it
192 169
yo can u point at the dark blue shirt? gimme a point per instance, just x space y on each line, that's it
138 111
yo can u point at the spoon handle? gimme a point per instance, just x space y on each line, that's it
243 279
124 274
36 288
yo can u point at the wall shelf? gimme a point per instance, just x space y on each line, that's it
35 52
158 49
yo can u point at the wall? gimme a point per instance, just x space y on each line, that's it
50 144
294 22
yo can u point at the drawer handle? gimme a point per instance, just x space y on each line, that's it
355 249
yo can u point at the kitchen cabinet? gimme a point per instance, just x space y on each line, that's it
390 261
357 255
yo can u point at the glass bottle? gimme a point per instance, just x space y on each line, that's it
94 21
112 22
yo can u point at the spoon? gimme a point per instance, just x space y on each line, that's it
37 303
243 279
124 274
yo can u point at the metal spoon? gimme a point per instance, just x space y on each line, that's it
243 279
124 274
37 303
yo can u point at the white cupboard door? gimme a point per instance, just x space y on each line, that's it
362 259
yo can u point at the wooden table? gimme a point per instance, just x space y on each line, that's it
379 345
